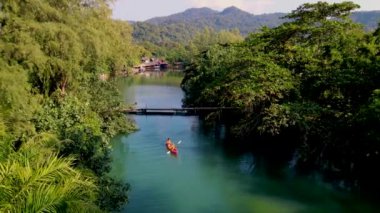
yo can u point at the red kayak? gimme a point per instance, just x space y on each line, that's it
173 150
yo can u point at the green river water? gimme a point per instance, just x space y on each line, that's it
205 176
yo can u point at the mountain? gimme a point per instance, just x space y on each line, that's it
370 19
186 16
230 18
232 11
181 27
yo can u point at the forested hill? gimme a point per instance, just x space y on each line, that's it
229 18
233 17
182 26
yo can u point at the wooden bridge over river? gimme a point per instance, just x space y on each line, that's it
174 111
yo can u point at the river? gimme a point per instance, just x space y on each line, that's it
205 176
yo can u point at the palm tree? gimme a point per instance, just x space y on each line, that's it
35 179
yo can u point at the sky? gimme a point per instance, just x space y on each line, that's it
141 10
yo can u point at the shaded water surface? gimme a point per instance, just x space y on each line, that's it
204 177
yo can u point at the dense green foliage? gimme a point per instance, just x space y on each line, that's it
316 77
56 116
174 51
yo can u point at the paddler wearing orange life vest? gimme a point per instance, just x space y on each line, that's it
170 145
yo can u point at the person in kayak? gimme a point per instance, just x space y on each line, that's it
169 144
168 141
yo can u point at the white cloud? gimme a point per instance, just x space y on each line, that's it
253 6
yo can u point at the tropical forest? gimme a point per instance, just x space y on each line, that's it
267 113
